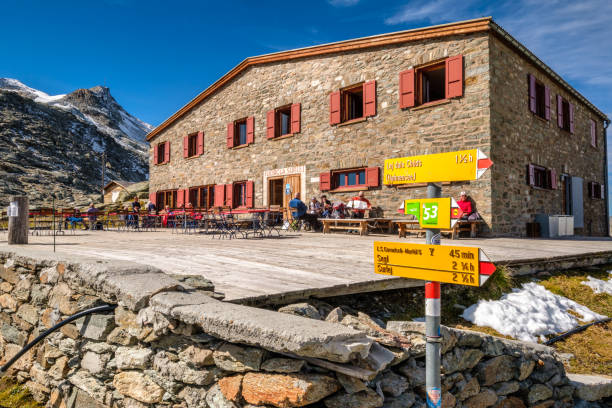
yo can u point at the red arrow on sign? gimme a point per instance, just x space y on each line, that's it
484 163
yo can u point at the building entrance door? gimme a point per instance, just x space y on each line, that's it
275 189
291 185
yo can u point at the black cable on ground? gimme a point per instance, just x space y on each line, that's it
97 309
576 330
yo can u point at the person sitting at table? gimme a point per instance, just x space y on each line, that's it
301 212
467 209
314 207
92 216
165 213
74 219
359 204
151 209
326 207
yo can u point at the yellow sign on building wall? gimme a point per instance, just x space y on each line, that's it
432 168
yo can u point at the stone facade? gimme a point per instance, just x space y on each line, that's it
492 115
164 345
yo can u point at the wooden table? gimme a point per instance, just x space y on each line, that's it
403 226
381 223
350 224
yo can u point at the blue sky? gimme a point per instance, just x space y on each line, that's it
157 55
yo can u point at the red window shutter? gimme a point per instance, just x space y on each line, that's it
155 154
296 110
270 122
406 89
250 129
532 93
372 176
553 179
200 143
229 194
530 175
153 198
369 98
325 181
334 108
559 111
571 118
249 194
230 135
185 146
167 153
593 134
547 103
219 195
454 76
180 198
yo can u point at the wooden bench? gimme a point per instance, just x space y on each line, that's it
385 225
470 226
405 226
350 224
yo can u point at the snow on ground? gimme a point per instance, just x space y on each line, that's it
598 285
528 313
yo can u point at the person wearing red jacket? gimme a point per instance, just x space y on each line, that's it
465 203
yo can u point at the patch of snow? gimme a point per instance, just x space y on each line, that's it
38 96
528 313
598 285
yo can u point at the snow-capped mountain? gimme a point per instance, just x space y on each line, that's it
51 145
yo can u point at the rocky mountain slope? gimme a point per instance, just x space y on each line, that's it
51 145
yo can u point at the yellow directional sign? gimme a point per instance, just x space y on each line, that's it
441 213
432 168
440 263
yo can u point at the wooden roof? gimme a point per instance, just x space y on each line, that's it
444 30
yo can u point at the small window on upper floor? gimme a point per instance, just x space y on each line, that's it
541 177
352 103
240 132
283 121
161 153
539 98
565 114
593 128
193 144
431 82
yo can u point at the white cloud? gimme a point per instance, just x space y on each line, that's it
435 11
343 3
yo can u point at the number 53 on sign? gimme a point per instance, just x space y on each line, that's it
440 213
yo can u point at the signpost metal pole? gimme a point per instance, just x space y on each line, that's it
432 321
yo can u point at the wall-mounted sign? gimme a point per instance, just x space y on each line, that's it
461 165
440 263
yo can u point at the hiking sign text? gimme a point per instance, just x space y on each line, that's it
433 168
441 213
440 263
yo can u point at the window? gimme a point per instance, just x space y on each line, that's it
595 190
161 153
541 177
353 178
166 198
364 178
283 121
193 145
352 103
241 132
432 82
239 194
593 133
202 197
565 114
539 98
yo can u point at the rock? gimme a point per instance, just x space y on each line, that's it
138 386
28 313
525 368
49 317
363 399
469 389
99 348
302 309
231 386
195 397
180 371
414 373
286 390
469 339
197 356
564 392
496 370
70 330
127 320
283 365
8 302
400 355
21 291
39 294
13 335
9 275
39 392
544 404
132 358
95 327
393 384
90 385
539 392
195 281
94 363
460 359
405 400
591 387
231 357
350 384
335 316
121 336
6 287
544 370
511 402
506 388
448 400
216 399
484 399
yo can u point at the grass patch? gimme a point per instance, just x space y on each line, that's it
13 395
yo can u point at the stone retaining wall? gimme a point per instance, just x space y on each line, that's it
171 343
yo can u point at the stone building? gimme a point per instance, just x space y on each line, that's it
323 119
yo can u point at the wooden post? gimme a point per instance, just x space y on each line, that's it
18 224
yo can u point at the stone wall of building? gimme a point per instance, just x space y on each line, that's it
461 123
520 138
170 343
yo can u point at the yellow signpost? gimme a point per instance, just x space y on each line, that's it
441 213
440 263
461 165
